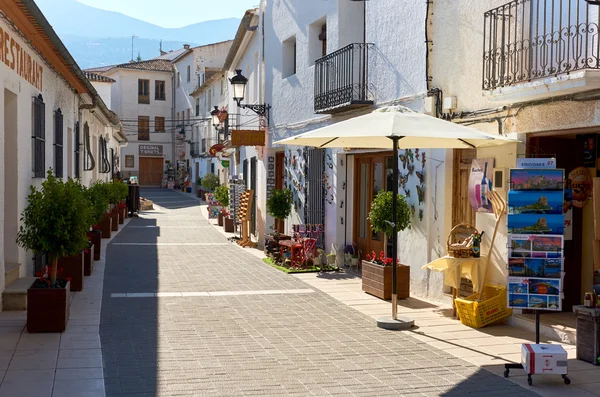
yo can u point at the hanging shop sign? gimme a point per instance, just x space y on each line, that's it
536 227
214 149
247 138
151 150
129 161
16 58
524 163
480 182
225 163
580 183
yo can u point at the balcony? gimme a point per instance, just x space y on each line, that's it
537 49
342 79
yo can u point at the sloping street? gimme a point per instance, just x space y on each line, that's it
187 313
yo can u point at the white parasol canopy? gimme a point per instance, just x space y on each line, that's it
417 130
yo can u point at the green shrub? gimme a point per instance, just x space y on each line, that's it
222 195
210 182
279 205
55 220
98 196
381 213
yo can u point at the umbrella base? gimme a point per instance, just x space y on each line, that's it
402 323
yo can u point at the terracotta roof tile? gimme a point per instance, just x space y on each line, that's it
91 76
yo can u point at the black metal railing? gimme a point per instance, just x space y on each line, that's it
526 40
342 78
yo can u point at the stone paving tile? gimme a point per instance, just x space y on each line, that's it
251 344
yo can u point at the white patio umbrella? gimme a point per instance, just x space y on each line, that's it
396 127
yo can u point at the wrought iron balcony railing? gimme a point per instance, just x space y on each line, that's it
526 40
342 79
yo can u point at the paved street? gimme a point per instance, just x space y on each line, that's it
186 313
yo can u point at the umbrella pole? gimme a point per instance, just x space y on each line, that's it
393 322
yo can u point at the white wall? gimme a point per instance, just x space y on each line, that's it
105 92
56 95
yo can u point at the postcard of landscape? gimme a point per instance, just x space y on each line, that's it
536 223
535 202
534 293
534 267
535 246
537 179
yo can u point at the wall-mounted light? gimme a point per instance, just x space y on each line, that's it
238 83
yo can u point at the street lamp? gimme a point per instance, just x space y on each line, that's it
215 117
238 82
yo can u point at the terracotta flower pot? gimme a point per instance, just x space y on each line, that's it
48 309
88 261
377 280
72 267
105 226
95 236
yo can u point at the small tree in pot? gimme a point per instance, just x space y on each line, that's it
210 182
279 205
222 196
97 195
377 271
54 222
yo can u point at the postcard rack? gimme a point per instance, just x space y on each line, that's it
244 214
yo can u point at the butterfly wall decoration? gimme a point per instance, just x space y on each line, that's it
407 192
421 177
409 153
411 168
420 214
402 179
412 210
404 160
420 194
423 160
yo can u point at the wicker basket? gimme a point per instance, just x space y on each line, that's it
460 241
477 314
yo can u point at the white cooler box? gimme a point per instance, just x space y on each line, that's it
544 359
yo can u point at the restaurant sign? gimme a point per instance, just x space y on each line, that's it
19 60
151 150
247 138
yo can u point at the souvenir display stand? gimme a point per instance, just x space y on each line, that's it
535 259
236 188
244 214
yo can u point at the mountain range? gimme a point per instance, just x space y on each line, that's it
97 37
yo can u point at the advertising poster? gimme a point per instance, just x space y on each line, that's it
580 183
480 182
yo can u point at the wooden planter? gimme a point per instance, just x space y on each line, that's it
105 226
95 236
121 215
228 225
72 267
88 261
114 216
377 280
221 217
48 309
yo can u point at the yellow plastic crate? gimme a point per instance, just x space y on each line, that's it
491 308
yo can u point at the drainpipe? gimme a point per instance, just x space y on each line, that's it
173 127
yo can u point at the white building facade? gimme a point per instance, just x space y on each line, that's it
334 61
46 101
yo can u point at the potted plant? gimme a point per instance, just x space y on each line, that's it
279 205
54 222
377 270
210 182
121 193
114 197
228 222
88 259
222 196
100 224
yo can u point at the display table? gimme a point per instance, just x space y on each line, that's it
455 268
588 333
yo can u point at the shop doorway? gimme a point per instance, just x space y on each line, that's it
372 173
11 182
151 171
279 176
569 153
462 211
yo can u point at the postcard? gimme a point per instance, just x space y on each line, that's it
518 300
544 286
538 302
537 179
539 246
535 267
535 202
536 224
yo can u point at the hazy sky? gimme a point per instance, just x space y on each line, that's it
175 13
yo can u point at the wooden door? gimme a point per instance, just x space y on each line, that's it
462 211
370 177
151 171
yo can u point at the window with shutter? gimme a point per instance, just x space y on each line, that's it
39 137
58 143
77 143
143 128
